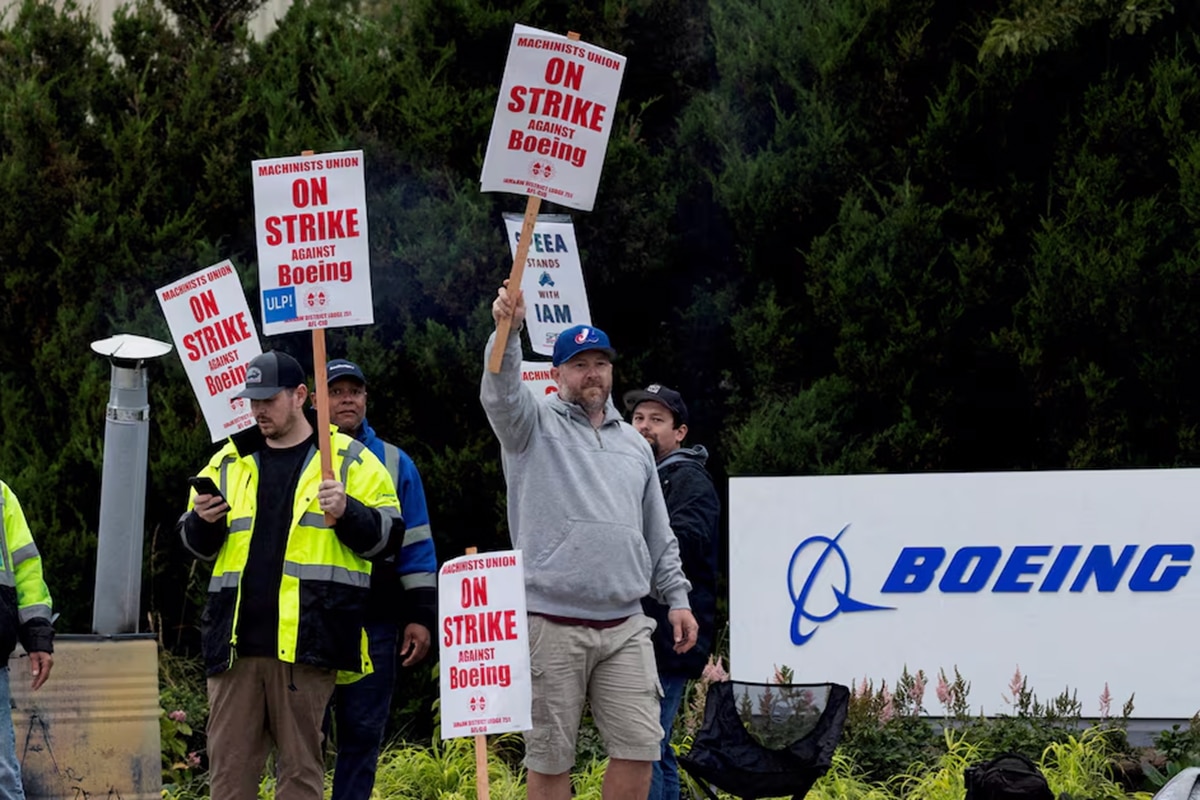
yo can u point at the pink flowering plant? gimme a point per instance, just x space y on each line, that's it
183 703
886 728
178 761
890 727
697 694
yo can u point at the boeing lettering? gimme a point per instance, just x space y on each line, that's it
971 569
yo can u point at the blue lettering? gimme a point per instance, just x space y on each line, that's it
970 569
1061 567
980 560
1101 565
1143 579
914 569
1018 565
543 243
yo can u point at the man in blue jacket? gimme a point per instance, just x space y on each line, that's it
403 596
661 417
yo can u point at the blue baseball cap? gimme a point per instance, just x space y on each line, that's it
580 339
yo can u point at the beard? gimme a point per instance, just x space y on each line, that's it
591 398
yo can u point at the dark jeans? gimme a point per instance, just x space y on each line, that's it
664 785
361 711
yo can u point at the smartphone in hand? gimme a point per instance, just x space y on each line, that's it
204 485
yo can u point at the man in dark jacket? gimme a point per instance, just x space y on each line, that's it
403 596
660 415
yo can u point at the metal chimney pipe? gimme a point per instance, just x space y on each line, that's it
118 592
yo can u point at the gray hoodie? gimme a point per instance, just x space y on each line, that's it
584 504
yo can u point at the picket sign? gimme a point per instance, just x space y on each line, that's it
532 207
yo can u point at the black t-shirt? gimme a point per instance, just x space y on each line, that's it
258 613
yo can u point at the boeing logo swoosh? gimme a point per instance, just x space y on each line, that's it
805 621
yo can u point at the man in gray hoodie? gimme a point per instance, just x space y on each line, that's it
586 509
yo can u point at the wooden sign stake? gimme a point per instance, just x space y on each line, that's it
482 784
324 444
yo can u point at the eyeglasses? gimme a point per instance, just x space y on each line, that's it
347 391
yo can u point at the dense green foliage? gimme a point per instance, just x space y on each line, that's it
853 241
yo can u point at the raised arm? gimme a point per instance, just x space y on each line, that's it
510 407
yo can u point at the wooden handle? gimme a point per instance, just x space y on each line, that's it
514 281
324 443
482 786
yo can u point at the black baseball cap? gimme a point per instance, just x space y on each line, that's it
657 393
270 373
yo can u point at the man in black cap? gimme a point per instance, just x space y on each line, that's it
285 602
661 417
403 596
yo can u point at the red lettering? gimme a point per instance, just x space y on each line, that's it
217 336
579 112
517 103
193 351
273 235
480 628
553 103
312 226
308 228
597 116
574 77
536 93
510 625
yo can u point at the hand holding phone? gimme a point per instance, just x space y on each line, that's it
216 508
204 485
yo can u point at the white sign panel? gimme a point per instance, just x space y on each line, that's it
555 297
1069 575
536 375
484 673
553 118
314 262
215 336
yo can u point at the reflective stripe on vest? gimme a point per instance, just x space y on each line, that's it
6 571
351 455
327 573
391 460
226 580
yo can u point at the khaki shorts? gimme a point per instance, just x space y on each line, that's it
614 670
